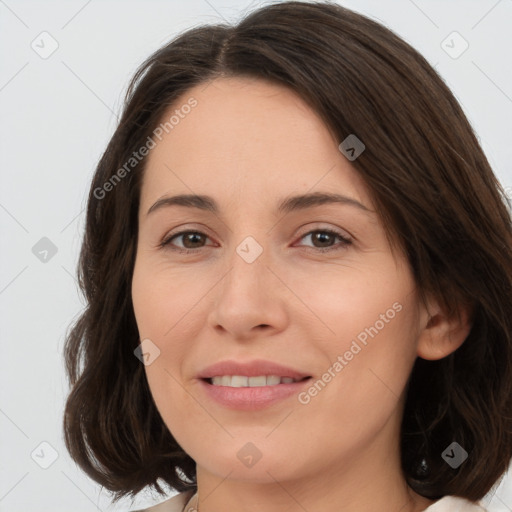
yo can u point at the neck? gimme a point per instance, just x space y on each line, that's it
291 497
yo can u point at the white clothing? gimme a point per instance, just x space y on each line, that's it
185 502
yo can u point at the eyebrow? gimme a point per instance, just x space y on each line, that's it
287 205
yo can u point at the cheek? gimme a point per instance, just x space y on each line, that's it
349 301
164 300
164 305
178 409
372 319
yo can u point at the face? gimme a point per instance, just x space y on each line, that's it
312 286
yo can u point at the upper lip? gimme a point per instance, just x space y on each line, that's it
250 369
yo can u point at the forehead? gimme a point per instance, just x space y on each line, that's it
249 137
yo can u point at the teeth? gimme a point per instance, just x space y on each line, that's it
241 381
273 380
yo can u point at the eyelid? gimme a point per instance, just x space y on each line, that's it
336 230
204 230
165 242
187 228
346 239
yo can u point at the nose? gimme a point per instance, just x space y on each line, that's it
249 299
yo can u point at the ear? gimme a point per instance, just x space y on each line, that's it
440 334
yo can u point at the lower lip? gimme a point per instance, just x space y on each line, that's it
252 399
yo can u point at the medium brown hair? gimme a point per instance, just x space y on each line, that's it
433 188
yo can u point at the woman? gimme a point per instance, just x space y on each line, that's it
297 262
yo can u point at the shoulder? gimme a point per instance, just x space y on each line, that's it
175 504
455 504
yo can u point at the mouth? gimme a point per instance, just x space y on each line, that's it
251 393
244 381
250 385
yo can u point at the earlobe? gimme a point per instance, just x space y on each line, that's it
441 335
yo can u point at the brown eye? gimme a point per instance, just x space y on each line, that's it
323 239
190 239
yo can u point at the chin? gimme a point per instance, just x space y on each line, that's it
248 454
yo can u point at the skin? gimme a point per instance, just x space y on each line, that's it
249 144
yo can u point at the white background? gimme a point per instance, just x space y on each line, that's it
57 115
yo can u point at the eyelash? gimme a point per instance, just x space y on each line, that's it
165 244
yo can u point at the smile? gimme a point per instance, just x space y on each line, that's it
242 381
